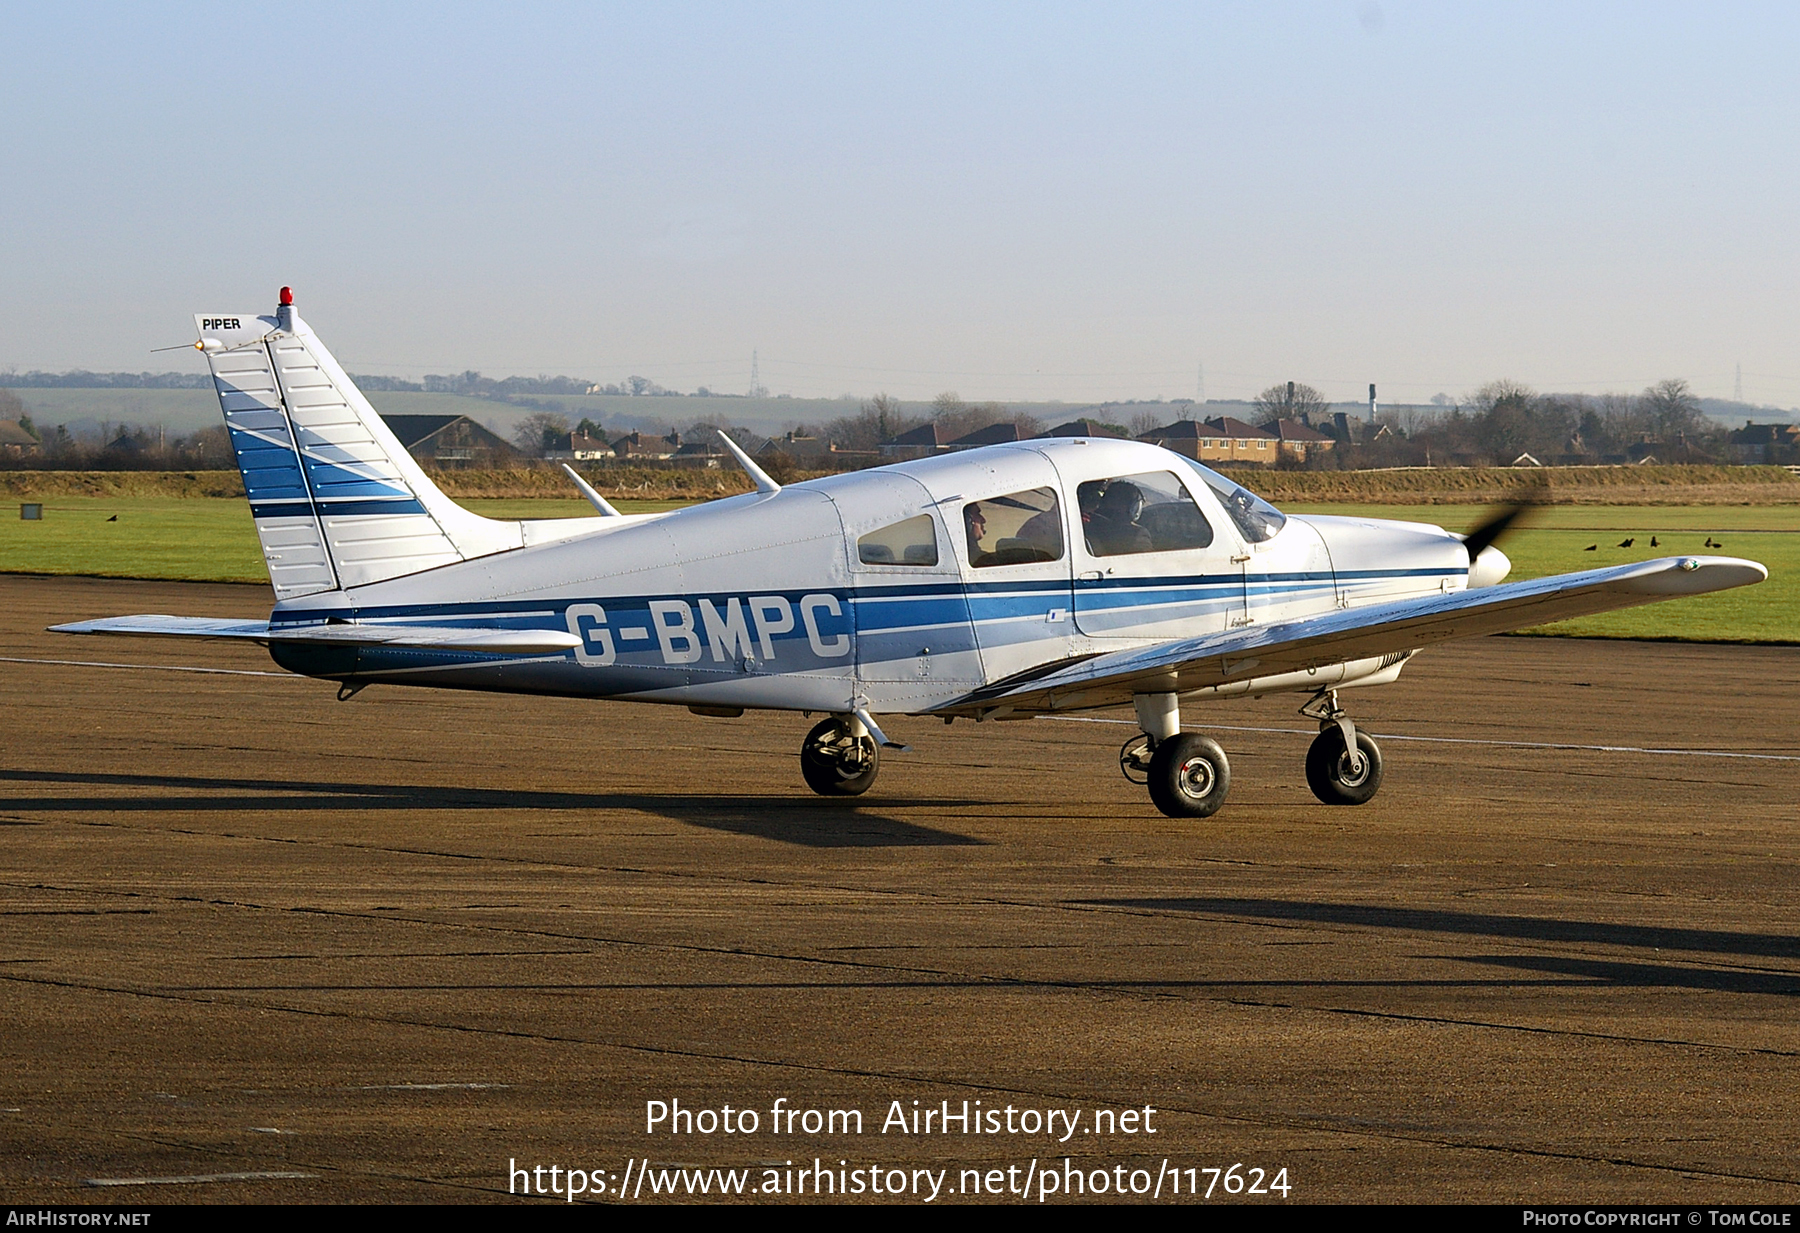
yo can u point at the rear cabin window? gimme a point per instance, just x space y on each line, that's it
912 542
1151 512
1016 529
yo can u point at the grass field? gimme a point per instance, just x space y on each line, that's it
1555 539
210 539
194 539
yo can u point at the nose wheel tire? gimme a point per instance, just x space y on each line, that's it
1332 774
1189 776
835 763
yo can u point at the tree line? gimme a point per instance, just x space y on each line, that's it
1493 426
1504 419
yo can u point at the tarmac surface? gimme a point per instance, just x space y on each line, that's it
260 945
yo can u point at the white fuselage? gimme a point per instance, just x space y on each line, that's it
807 599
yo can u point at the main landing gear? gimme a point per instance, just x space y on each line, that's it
840 757
1188 774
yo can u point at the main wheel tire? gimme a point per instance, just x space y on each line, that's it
834 763
1189 776
1330 775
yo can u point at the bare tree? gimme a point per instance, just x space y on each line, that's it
1292 401
956 418
1671 408
538 431
1147 421
880 419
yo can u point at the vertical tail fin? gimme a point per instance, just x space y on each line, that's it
338 502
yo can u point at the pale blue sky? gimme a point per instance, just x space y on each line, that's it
1009 201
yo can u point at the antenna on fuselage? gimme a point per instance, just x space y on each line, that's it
594 498
757 475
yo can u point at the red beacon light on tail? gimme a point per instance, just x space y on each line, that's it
284 315
287 297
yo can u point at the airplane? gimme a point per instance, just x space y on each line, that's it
1043 577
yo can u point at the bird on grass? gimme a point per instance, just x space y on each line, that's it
1628 542
1710 544
114 518
1592 548
1653 542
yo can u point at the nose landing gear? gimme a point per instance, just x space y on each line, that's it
1343 766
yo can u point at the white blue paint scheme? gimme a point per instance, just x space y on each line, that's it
1016 580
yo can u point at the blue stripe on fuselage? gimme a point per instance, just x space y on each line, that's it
883 619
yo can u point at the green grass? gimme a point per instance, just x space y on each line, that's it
194 539
211 539
1554 540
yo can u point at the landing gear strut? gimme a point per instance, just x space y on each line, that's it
1188 774
1343 766
839 757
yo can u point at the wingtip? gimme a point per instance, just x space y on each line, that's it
1698 575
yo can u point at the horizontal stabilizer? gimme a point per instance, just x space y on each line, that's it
425 637
169 626
1356 633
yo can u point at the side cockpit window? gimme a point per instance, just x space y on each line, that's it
1015 529
1151 512
912 542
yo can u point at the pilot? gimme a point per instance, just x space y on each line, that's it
1087 496
1114 529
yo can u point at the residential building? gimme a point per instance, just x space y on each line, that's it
1295 439
579 447
921 442
450 442
1766 444
1081 428
634 446
15 442
993 434
1222 440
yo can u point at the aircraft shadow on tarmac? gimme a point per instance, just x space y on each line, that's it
1535 929
809 822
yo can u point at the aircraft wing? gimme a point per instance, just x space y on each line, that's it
1353 633
431 637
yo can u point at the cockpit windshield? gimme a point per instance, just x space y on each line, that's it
1255 518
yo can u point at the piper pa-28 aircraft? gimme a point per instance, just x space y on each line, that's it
1038 578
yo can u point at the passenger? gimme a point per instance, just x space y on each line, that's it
1114 530
976 523
1043 532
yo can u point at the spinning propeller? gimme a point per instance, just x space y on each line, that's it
1488 534
1496 525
